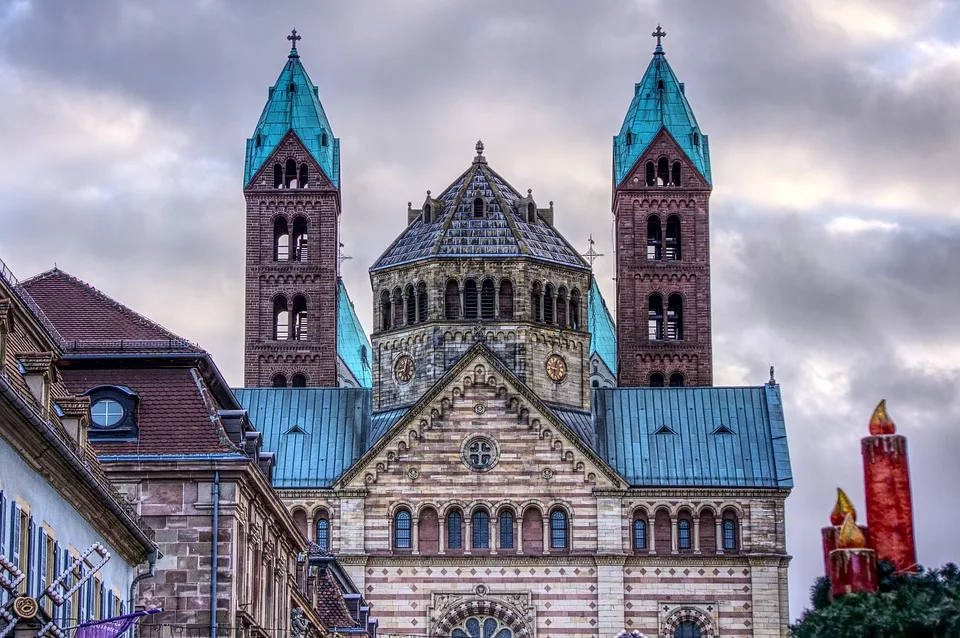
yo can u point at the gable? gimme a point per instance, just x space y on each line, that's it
664 145
480 398
291 146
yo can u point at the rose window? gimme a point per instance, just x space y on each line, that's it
480 453
482 627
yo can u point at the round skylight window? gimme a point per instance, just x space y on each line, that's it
106 413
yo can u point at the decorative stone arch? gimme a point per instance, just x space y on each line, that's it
688 614
504 612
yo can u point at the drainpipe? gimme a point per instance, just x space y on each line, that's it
213 557
150 573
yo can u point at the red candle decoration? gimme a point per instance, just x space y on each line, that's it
853 566
886 476
831 533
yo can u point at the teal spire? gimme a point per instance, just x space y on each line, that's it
293 104
603 332
659 102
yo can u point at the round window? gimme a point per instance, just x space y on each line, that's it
106 413
480 453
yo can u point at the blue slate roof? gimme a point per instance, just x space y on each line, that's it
721 437
603 332
293 104
659 102
353 346
503 231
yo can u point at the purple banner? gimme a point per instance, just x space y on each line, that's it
111 627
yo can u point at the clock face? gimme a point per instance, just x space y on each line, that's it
556 368
403 369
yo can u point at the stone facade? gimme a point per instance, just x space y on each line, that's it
644 270
278 275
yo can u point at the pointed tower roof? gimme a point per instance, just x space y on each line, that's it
293 104
352 343
603 332
504 229
659 102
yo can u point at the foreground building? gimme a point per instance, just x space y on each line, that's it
507 466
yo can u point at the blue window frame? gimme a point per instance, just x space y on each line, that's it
558 530
683 534
729 534
106 413
401 532
506 530
687 630
480 530
454 530
639 534
323 533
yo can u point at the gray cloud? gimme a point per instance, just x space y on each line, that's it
124 125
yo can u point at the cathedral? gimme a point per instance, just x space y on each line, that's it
501 458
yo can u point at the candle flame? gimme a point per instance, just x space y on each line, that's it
880 423
842 508
851 537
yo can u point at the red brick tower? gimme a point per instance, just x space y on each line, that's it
662 184
292 189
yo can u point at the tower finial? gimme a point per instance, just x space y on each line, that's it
659 34
591 255
479 159
294 38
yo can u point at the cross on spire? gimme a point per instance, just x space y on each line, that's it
659 34
591 255
294 38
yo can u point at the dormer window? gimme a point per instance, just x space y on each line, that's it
293 87
629 138
531 212
478 207
659 85
426 213
113 413
696 139
323 139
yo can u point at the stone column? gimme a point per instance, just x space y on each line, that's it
719 533
468 534
495 536
546 534
518 533
442 528
673 535
696 535
496 302
651 535
352 522
415 532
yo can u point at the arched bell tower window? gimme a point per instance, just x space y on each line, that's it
663 171
410 301
672 245
548 299
651 174
470 299
536 302
656 380
385 314
506 299
654 239
281 320
300 237
655 317
478 207
487 299
675 174
562 307
281 240
675 318
575 310
290 179
299 381
300 318
279 381
397 307
304 175
277 175
451 300
676 380
421 302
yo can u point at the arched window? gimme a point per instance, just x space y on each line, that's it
676 380
639 533
531 213
323 139
470 299
480 530
454 530
506 299
299 381
290 178
659 85
277 175
281 319
304 175
655 317
651 174
683 533
663 171
300 318
401 529
323 532
451 300
696 139
397 307
687 629
279 381
629 138
385 315
654 238
532 531
487 299
421 302
506 529
675 318
410 300
536 302
281 240
575 310
675 174
478 207
729 533
562 307
300 242
548 299
426 213
672 244
429 531
656 380
558 529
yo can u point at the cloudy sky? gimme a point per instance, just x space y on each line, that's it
834 130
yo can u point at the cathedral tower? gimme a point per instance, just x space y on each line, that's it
292 188
662 184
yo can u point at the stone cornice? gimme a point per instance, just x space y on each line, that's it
656 560
711 493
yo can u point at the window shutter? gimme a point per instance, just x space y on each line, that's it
31 558
67 605
42 562
103 601
3 520
16 534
